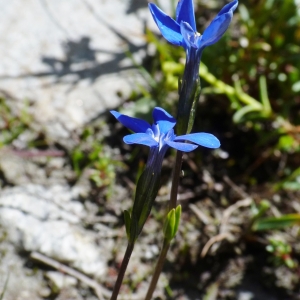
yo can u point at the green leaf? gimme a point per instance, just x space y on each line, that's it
271 223
291 186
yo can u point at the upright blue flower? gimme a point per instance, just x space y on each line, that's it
182 32
159 137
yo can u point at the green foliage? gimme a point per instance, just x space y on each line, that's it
255 68
92 155
282 253
292 182
12 124
272 223
280 249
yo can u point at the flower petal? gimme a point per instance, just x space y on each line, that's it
182 146
168 27
219 25
202 139
185 12
141 139
229 7
164 120
134 124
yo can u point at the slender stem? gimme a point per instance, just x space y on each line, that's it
166 243
123 268
175 180
158 269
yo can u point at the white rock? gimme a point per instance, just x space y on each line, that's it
61 280
70 57
48 220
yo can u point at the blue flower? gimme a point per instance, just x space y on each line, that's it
159 137
161 134
182 31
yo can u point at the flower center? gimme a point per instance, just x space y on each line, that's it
160 137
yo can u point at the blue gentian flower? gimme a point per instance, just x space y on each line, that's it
159 137
161 134
183 32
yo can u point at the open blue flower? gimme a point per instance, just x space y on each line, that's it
159 137
161 134
182 31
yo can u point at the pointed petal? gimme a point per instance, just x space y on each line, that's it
229 7
141 139
185 12
219 25
202 139
164 120
182 146
134 124
168 27
191 38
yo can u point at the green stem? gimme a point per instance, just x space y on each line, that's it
158 269
264 94
123 268
175 180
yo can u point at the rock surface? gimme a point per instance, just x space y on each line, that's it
70 58
49 221
65 62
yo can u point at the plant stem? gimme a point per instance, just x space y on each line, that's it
175 180
123 268
166 243
158 269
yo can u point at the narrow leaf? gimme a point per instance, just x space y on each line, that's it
276 223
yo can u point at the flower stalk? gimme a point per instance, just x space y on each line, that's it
158 269
189 93
122 271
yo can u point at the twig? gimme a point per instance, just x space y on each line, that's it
214 239
180 197
229 210
65 269
38 153
236 188
224 233
202 216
